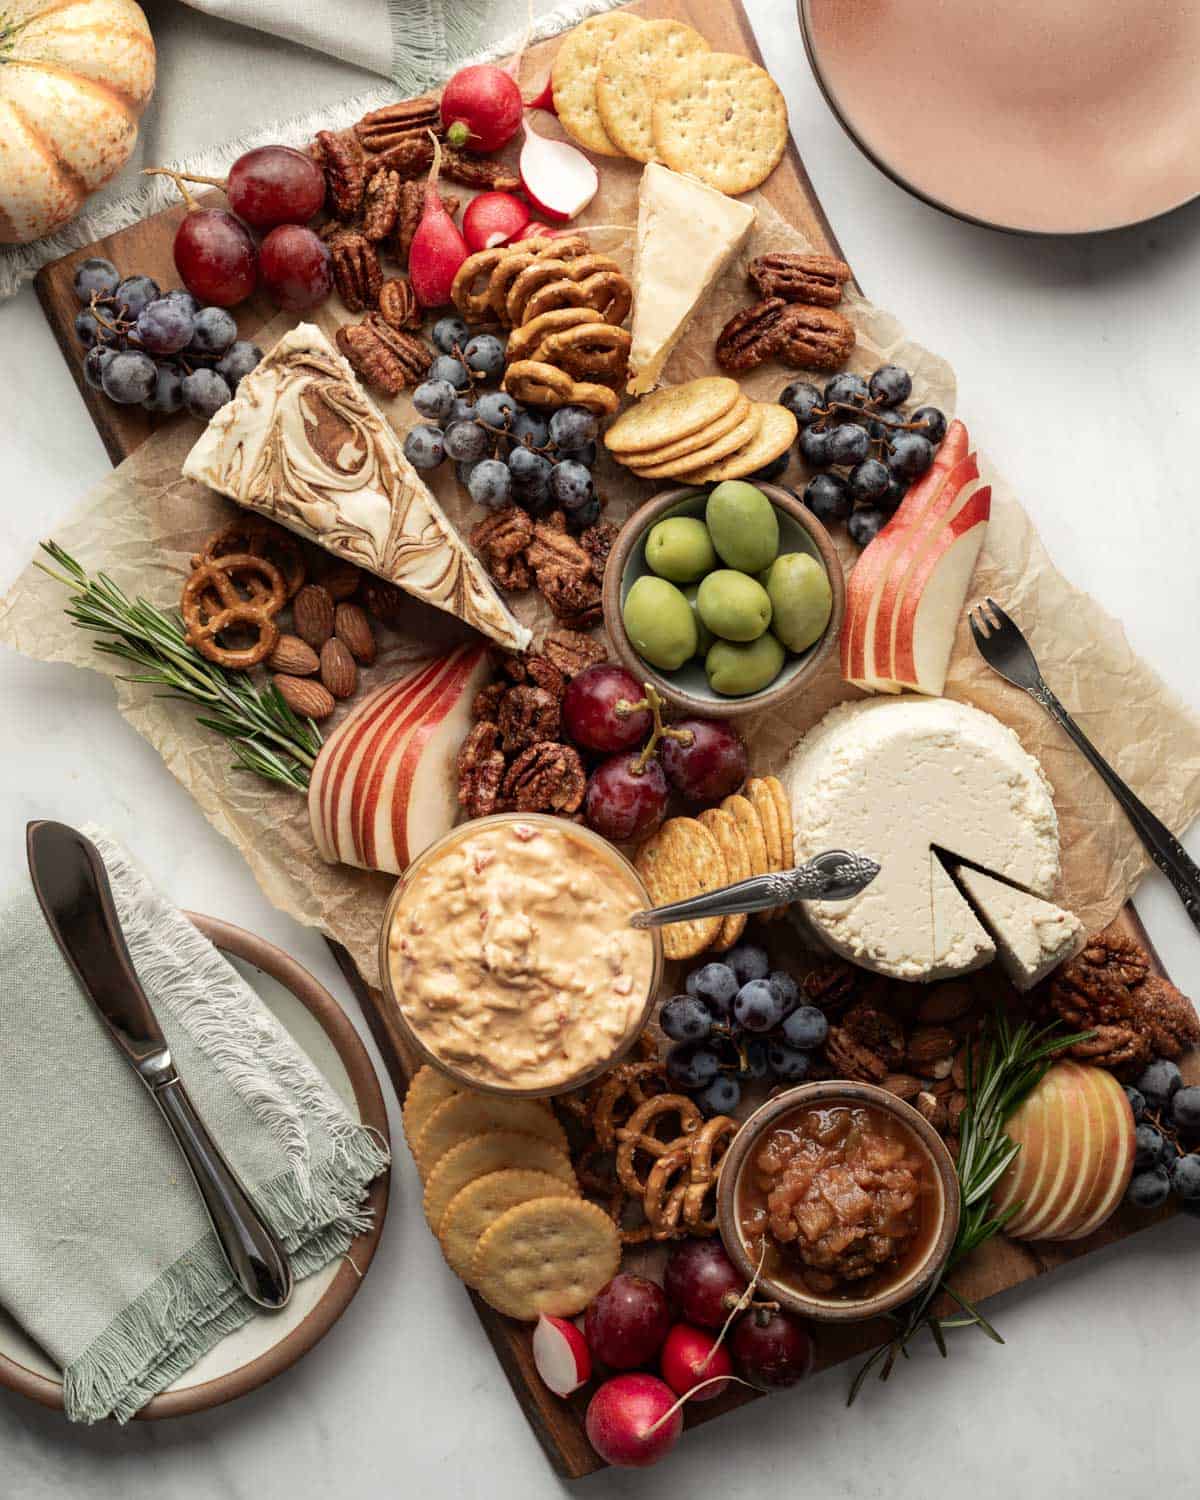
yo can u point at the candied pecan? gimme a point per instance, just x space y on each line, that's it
849 1058
815 338
381 204
411 156
833 987
547 777
391 124
527 716
1118 1048
384 357
501 539
875 1029
751 336
545 675
796 277
356 270
597 541
486 703
480 767
571 652
478 171
563 572
398 305
340 154
408 216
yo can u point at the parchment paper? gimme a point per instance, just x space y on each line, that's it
143 522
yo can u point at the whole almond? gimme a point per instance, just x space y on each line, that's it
931 1045
304 696
353 629
945 1002
312 614
903 1085
341 580
293 657
338 672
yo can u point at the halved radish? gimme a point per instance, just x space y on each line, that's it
561 1355
558 179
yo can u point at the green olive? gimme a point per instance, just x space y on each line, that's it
736 669
733 606
801 599
743 526
659 623
704 636
680 549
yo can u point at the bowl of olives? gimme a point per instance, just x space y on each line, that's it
726 598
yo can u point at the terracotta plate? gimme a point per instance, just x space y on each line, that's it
266 1345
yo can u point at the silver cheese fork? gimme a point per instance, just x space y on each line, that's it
1007 652
833 876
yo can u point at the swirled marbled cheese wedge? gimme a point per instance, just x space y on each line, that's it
302 444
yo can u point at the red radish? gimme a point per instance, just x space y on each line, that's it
438 248
627 1422
558 179
545 100
691 1356
536 228
481 107
493 219
561 1355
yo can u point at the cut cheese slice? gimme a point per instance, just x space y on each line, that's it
960 943
1034 936
686 234
302 444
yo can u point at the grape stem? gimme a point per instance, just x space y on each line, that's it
180 179
652 701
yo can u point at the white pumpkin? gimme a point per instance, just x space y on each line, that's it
74 77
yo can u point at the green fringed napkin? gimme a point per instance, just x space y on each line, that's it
106 1256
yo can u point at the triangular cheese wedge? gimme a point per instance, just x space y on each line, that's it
303 444
1033 936
686 234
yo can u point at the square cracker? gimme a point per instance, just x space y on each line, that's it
574 74
637 64
724 828
682 859
549 1255
722 118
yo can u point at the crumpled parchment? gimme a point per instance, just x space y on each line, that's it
142 524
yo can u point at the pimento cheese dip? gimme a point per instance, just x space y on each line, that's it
511 956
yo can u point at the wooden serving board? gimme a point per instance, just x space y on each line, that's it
146 247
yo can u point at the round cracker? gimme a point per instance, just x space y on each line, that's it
673 412
764 805
738 437
465 1115
724 829
741 809
498 1151
775 436
682 859
632 70
428 1088
694 440
783 811
477 1207
573 78
550 1255
722 118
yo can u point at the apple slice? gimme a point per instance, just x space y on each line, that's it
1110 1189
1080 1138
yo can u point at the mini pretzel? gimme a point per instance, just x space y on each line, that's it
545 272
627 1081
606 291
211 604
638 1134
539 384
472 283
524 342
666 1187
259 538
589 351
708 1148
561 246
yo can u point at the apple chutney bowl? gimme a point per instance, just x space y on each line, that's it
507 955
842 1198
799 593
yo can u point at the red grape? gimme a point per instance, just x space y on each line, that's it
772 1349
712 766
215 256
275 185
703 1283
297 269
590 709
622 804
627 1322
690 1357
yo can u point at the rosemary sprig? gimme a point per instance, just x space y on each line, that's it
1011 1061
267 737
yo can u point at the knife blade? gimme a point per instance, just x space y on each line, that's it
73 890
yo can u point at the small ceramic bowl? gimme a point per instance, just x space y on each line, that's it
687 689
463 1076
786 1293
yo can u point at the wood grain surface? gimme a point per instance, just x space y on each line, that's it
146 247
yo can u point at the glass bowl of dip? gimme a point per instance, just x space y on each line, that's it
845 1124
507 955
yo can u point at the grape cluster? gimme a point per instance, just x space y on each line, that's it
1167 1159
854 426
504 453
738 1021
161 350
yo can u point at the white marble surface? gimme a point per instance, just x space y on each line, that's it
1077 369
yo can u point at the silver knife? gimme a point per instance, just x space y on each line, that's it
835 875
72 887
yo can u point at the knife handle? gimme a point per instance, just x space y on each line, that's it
256 1256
